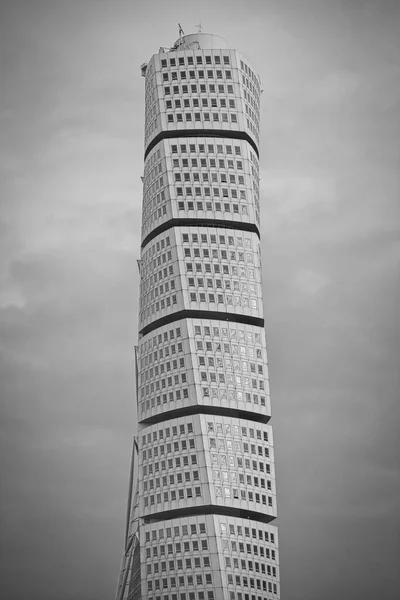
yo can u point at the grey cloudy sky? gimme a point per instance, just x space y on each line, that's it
71 125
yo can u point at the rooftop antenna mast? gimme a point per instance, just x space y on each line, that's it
181 33
199 27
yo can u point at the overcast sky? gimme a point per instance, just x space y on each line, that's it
71 127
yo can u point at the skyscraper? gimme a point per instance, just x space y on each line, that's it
202 491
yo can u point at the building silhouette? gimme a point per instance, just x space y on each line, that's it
202 489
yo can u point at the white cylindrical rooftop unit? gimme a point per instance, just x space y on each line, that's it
199 41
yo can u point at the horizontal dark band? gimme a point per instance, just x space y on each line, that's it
201 314
237 225
209 509
188 133
205 409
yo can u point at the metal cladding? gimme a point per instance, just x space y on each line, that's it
202 493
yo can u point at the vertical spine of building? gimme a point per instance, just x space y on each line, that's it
199 520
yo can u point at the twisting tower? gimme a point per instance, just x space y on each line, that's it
202 489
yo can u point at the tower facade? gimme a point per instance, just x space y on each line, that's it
202 493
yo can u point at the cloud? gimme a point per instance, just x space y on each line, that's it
311 282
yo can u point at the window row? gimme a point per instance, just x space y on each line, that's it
179 565
212 238
168 449
178 548
202 148
155 249
167 302
247 83
205 103
251 582
169 463
222 395
199 117
234 255
207 596
250 73
232 348
172 496
191 60
237 431
227 299
216 192
202 88
151 215
149 280
224 269
152 196
246 496
213 204
181 582
213 207
233 477
208 346
152 191
176 531
165 337
163 288
210 163
159 355
238 446
225 333
249 566
253 532
189 596
230 255
253 549
150 127
151 187
223 444
232 364
238 462
215 177
227 284
196 74
239 368
253 101
162 384
215 254
152 159
249 111
173 431
253 128
256 384
226 348
152 295
151 173
151 203
161 369
242 596
151 113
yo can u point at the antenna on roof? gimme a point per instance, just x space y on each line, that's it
181 33
199 27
